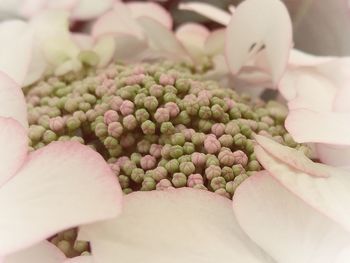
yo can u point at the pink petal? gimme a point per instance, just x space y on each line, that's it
182 225
16 43
153 10
43 252
37 66
283 225
60 186
193 37
215 42
324 127
13 150
88 9
334 155
216 14
117 21
12 102
292 157
162 39
257 24
329 196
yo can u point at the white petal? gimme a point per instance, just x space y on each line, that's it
182 225
81 259
60 186
88 9
153 10
83 41
257 24
13 150
334 155
207 10
324 127
105 48
330 196
283 225
215 42
16 44
12 102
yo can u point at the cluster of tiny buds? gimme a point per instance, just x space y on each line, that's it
159 126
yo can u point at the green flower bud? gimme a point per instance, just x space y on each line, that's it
217 111
172 166
212 160
289 140
141 115
254 166
235 113
198 138
239 140
176 151
227 173
36 132
162 162
150 103
84 106
136 158
170 89
167 128
126 191
184 158
179 180
187 168
204 112
182 85
148 127
128 167
226 140
124 181
148 184
217 183
183 118
73 123
49 136
89 98
44 121
137 175
189 148
116 151
110 142
169 97
71 105
205 125
178 139
249 146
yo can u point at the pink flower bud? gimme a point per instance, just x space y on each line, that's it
148 162
156 150
161 115
230 103
180 127
57 124
139 70
127 141
226 158
212 171
159 173
127 107
205 94
188 133
134 79
166 79
194 179
211 144
218 129
173 109
122 160
198 159
110 116
115 168
164 184
115 129
116 102
190 98
240 157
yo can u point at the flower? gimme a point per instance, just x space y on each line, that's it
65 175
162 122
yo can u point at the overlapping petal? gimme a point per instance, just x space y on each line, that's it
59 186
182 225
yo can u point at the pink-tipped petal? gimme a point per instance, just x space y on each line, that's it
329 196
13 150
16 44
12 102
88 9
117 21
162 39
216 14
323 127
283 225
43 252
183 225
335 155
60 186
153 10
193 37
215 43
292 157
255 25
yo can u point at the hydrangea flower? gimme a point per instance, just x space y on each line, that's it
146 99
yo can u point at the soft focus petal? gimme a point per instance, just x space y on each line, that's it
215 42
161 39
81 259
259 24
117 21
43 252
88 9
13 150
324 127
330 196
12 102
30 8
152 10
292 157
105 48
207 10
335 155
83 41
16 44
283 225
300 58
60 186
193 37
182 225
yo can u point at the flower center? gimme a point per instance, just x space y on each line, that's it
158 126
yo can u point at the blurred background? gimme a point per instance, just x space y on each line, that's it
321 27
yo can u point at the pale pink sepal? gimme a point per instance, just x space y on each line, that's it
62 185
12 102
153 225
257 25
283 224
207 10
43 252
323 127
329 195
